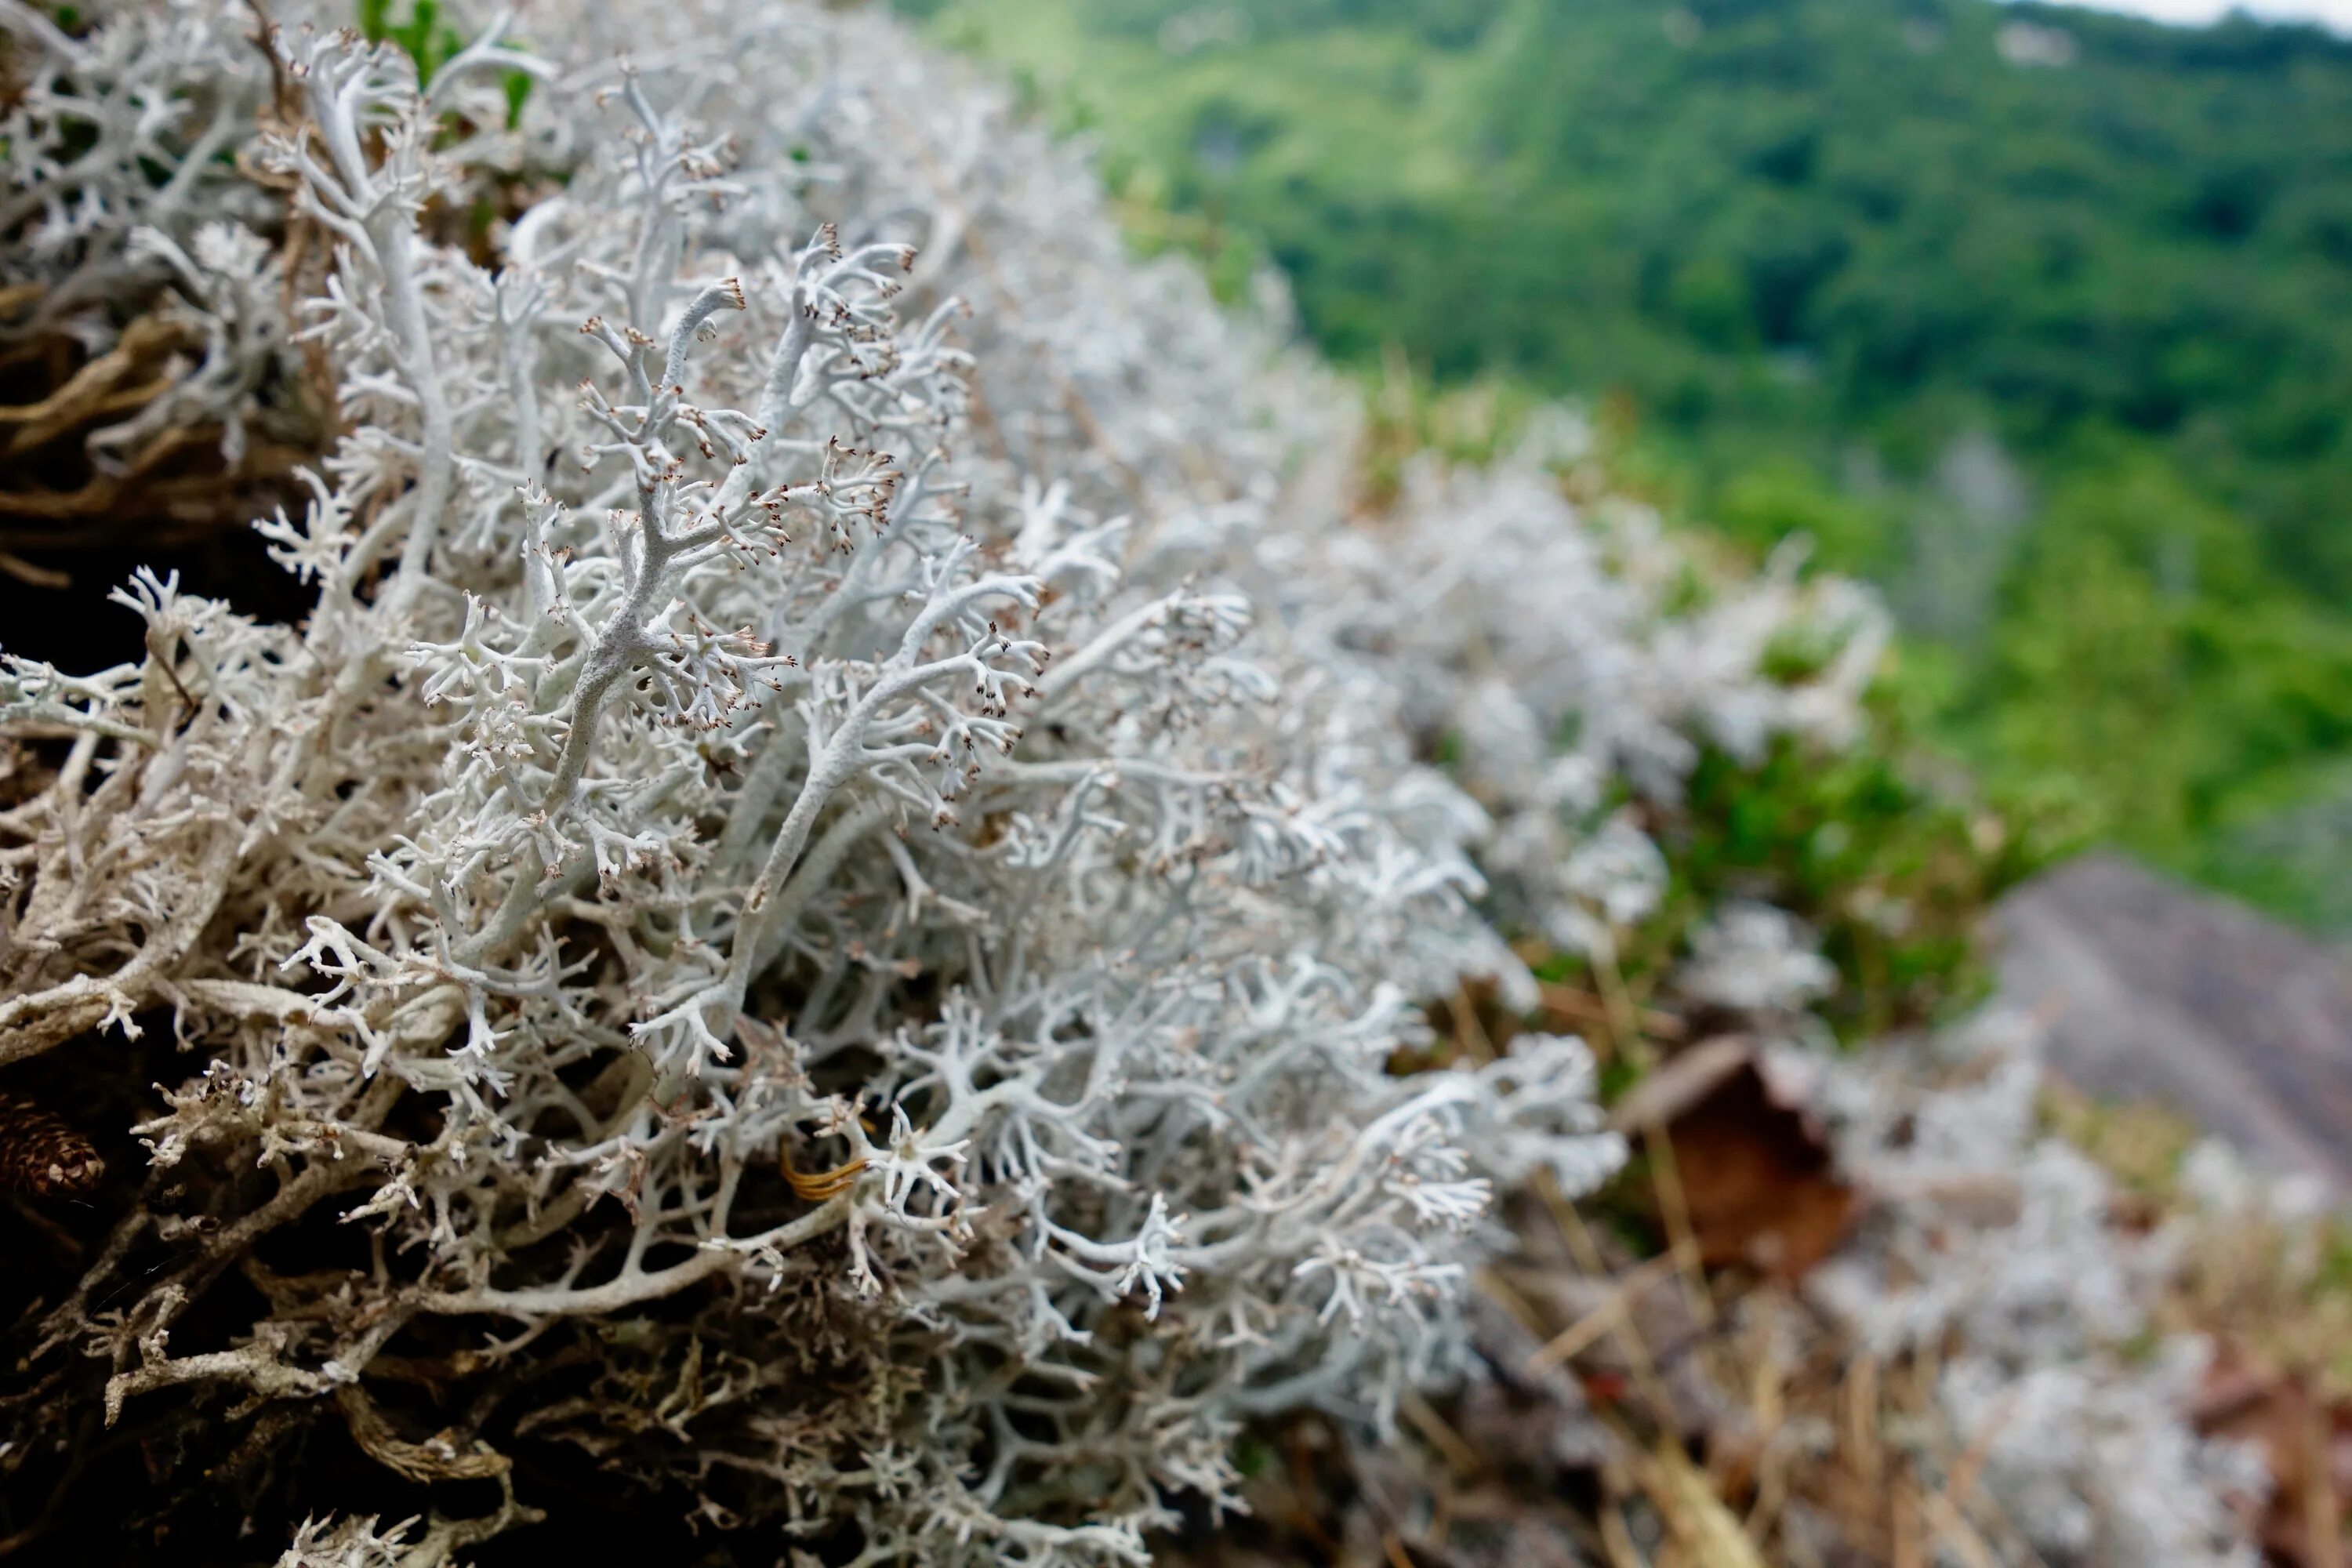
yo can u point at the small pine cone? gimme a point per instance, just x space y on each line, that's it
40 1157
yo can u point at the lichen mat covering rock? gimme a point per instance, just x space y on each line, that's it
822 908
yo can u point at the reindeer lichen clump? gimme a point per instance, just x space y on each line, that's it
1994 1250
1543 645
826 914
1556 651
782 891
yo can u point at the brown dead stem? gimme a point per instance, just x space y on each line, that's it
817 1186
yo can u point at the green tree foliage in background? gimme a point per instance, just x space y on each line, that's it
2040 318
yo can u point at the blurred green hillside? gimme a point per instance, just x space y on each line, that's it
2039 317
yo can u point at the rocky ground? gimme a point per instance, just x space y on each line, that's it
2154 990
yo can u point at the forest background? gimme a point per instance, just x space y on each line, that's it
2040 319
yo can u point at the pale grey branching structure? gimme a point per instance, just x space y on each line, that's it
824 907
1569 656
1993 1243
784 885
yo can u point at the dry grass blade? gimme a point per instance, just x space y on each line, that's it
1442 1436
1706 1532
1617 1539
1958 1536
816 1186
1581 1335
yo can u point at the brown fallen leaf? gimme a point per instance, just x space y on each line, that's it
1757 1177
